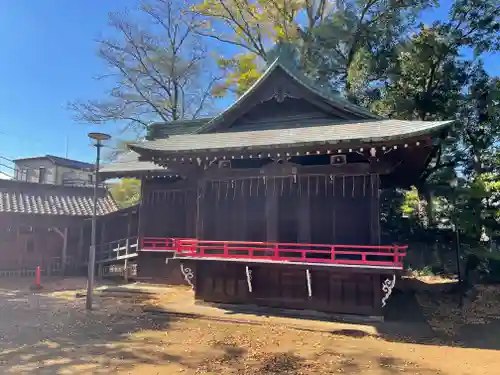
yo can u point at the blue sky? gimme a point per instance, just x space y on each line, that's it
49 59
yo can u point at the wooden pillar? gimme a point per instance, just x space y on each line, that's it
374 209
64 255
125 263
81 242
127 246
144 203
200 208
101 246
304 217
271 211
244 220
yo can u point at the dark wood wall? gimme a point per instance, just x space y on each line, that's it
168 209
153 267
334 290
310 209
28 241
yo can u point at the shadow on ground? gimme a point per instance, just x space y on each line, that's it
45 335
404 321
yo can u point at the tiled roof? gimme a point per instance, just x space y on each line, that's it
354 132
164 130
43 199
281 62
128 165
64 162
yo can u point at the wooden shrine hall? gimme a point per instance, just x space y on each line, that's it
275 201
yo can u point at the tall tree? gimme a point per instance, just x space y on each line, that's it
127 192
337 41
159 68
355 45
438 74
253 27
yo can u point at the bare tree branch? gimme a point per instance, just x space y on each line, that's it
159 68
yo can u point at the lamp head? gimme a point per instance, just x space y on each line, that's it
99 137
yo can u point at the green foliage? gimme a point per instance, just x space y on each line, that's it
426 271
127 192
253 26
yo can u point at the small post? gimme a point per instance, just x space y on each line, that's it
308 279
37 285
37 277
249 278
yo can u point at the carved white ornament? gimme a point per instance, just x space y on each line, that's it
308 278
387 287
249 278
188 275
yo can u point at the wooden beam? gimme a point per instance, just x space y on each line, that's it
288 170
59 232
174 159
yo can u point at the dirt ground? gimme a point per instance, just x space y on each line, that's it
51 333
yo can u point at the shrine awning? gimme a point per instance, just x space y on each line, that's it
363 132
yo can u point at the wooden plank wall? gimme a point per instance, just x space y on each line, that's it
168 211
311 209
334 290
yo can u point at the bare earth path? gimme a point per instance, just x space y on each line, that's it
52 334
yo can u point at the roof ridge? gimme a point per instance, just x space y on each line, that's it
300 78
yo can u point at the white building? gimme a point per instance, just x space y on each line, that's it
54 170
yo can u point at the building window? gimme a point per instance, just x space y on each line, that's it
30 245
41 175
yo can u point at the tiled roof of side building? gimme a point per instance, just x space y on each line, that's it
353 132
128 165
44 199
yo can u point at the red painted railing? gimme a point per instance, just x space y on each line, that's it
355 255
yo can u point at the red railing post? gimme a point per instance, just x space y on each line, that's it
332 250
276 251
226 252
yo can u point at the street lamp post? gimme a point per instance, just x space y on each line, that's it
98 138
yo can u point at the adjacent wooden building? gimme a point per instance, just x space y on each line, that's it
43 225
276 200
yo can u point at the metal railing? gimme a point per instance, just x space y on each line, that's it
116 250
